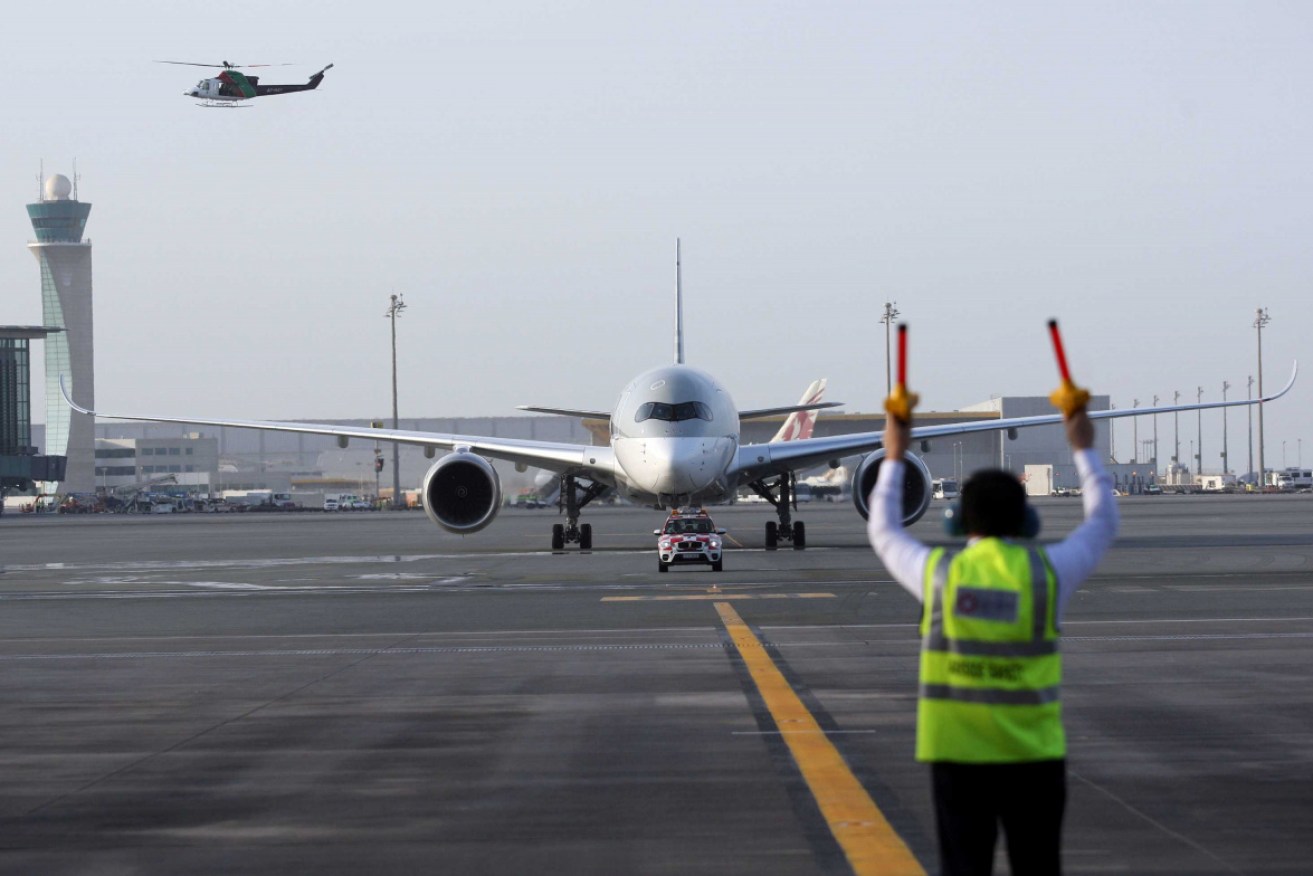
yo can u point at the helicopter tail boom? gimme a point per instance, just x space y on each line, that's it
311 85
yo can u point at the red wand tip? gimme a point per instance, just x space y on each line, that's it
902 353
1059 352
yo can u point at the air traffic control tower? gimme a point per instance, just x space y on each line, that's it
65 259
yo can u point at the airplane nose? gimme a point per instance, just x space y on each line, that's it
681 465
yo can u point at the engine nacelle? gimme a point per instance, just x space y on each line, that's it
916 485
462 493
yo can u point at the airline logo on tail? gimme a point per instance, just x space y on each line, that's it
799 425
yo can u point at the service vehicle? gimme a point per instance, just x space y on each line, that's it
1292 479
944 488
689 536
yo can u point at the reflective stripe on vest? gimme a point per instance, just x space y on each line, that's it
990 665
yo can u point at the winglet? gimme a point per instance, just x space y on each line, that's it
63 390
1294 372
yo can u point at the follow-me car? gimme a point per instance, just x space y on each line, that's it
689 536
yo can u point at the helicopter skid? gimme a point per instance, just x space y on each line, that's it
222 104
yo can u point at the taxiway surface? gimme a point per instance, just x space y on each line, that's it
346 692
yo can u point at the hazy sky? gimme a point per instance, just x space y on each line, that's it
520 171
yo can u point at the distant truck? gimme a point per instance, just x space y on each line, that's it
1217 483
944 488
1040 480
1291 479
257 498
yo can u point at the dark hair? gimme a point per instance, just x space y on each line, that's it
993 503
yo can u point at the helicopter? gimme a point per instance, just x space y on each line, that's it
232 86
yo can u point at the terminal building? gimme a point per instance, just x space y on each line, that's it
20 464
190 462
59 220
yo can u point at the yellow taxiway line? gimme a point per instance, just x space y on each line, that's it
858 825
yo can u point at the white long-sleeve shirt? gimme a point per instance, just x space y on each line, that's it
1072 559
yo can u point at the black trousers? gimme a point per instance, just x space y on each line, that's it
973 800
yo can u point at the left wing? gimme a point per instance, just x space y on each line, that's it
761 459
567 412
583 459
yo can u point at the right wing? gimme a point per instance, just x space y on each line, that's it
583 459
756 460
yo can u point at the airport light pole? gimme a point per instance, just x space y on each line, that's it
890 314
1155 437
1261 320
1226 460
1176 429
1249 409
1112 435
1135 434
394 310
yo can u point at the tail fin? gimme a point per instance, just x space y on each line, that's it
319 77
800 423
679 307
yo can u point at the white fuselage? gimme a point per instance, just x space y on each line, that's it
675 432
210 89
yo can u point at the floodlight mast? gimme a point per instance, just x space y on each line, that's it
1249 409
1261 320
1226 460
1155 439
890 314
394 310
1176 431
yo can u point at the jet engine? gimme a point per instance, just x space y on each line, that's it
462 493
916 485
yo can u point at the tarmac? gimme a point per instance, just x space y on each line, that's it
351 692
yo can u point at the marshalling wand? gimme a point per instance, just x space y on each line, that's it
900 402
1068 397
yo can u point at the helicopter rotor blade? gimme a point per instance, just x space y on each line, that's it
225 65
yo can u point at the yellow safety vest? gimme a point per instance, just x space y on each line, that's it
990 666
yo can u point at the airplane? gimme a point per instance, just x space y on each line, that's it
675 442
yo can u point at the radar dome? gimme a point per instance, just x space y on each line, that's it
58 188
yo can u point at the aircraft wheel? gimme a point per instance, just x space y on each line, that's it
585 536
663 567
799 536
718 566
772 535
558 537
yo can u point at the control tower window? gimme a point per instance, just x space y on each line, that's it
694 410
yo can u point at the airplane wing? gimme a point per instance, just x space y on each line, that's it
583 459
792 455
567 412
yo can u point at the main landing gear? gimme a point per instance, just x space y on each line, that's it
780 493
574 497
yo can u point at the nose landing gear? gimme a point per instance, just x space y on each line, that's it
780 493
573 498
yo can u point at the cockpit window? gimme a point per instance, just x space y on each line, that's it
694 410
